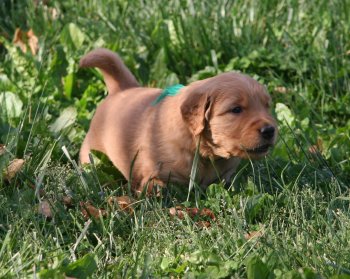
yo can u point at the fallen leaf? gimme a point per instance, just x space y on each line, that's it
203 224
253 234
67 201
124 202
44 209
14 167
2 149
348 52
281 89
40 2
177 211
18 40
88 210
194 212
313 149
33 42
54 13
208 213
316 148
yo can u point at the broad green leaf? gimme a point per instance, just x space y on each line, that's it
81 268
68 84
165 263
292 274
10 104
341 276
256 204
72 37
217 197
172 32
180 268
171 79
56 273
159 67
66 118
302 273
233 64
284 114
207 72
305 123
222 270
256 269
4 82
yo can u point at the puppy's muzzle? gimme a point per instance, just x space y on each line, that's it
267 132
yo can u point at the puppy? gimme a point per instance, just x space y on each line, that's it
154 142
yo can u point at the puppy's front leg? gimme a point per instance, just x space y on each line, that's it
221 169
147 185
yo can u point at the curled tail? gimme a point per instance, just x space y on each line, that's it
116 75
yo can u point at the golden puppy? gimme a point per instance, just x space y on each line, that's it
228 115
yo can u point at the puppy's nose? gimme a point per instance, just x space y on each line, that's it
267 132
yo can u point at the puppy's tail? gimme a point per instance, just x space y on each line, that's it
116 75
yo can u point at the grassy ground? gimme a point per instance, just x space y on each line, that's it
286 216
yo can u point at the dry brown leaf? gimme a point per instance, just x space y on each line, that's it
316 148
253 234
320 144
67 201
14 167
313 149
193 212
203 224
124 202
281 89
18 40
208 213
88 210
33 42
54 13
41 2
2 149
45 209
348 52
177 211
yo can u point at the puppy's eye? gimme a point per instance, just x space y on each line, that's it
237 110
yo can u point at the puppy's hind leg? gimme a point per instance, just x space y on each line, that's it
84 152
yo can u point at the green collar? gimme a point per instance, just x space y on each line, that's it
168 91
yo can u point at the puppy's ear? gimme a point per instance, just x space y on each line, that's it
195 111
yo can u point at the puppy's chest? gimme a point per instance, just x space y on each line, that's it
214 171
179 170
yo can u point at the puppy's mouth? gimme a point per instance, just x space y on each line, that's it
259 150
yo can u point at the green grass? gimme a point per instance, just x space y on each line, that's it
298 200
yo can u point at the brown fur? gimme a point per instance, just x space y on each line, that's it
162 138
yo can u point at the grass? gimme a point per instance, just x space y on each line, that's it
296 201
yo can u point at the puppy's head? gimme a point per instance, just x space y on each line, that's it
231 114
